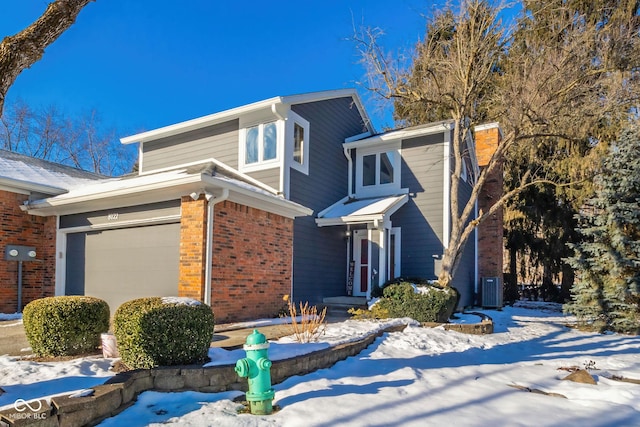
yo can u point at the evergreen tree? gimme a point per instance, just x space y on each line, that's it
607 259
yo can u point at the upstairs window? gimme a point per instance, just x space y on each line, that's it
377 169
298 143
261 143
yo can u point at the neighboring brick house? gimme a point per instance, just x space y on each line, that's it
290 195
22 179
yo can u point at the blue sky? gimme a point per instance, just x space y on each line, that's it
145 64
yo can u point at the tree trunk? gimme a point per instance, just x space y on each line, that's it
22 50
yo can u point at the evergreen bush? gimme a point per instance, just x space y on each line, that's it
158 331
431 304
65 325
606 291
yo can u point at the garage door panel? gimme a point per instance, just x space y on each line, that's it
124 264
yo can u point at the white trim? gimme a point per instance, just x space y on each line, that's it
208 266
220 164
476 267
396 231
400 134
357 236
260 164
446 191
199 122
357 137
26 187
140 158
378 189
211 119
382 217
61 256
382 258
294 119
486 126
347 154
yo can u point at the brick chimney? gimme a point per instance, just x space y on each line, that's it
490 232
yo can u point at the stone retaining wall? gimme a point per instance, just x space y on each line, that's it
121 391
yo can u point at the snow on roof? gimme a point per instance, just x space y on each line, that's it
153 187
30 173
360 210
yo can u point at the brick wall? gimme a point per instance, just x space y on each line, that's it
490 232
193 229
252 259
19 228
252 262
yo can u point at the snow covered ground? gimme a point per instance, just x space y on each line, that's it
417 377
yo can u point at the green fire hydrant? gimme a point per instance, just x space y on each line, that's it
257 368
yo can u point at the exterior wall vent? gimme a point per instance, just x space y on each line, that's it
491 292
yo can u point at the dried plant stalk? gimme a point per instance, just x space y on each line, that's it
311 325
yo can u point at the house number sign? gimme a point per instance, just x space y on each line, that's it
112 216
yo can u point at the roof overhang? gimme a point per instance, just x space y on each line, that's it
115 193
271 103
399 134
361 211
26 187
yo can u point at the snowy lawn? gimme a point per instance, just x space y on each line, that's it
422 377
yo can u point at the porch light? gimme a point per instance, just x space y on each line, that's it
347 234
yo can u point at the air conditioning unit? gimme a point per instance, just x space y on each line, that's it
491 292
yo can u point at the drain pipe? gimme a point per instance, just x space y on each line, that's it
211 201
347 154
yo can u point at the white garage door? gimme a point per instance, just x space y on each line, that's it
123 264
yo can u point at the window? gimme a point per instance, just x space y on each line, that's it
261 143
386 167
298 143
378 168
369 170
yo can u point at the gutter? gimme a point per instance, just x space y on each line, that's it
208 269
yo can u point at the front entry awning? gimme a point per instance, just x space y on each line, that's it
361 211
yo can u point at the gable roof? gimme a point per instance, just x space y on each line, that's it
272 103
25 174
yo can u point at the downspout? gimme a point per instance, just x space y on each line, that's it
347 154
476 272
208 269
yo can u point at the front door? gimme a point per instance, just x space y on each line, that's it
361 255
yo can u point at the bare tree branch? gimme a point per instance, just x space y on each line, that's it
22 50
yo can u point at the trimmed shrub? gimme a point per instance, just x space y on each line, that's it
65 325
158 331
433 304
377 291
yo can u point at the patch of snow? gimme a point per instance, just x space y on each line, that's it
429 376
24 379
180 301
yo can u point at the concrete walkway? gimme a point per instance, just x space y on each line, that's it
13 341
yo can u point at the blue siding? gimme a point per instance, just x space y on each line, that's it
219 141
319 261
464 278
421 219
